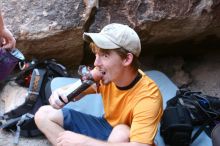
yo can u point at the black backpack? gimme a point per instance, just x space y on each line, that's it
186 111
37 76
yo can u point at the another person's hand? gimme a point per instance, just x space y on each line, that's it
8 41
56 97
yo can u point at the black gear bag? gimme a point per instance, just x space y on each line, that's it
186 111
21 119
176 126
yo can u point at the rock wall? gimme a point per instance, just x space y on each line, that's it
47 29
54 28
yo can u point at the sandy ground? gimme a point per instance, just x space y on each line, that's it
199 73
7 139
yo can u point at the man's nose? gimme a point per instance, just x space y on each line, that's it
97 61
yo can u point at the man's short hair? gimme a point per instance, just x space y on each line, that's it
121 52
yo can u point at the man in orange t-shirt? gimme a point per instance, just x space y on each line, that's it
132 101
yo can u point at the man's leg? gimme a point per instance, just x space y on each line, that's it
120 133
50 122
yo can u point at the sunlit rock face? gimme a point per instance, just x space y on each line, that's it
47 29
53 29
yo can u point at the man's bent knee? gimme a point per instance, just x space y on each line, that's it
41 114
47 113
120 133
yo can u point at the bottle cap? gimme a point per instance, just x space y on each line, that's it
17 54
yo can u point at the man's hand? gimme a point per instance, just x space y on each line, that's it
58 99
68 138
9 41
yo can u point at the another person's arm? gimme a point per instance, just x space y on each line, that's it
6 36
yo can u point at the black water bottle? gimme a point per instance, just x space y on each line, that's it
87 81
85 84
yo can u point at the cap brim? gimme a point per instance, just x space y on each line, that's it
101 40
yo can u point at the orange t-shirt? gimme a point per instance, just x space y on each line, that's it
139 107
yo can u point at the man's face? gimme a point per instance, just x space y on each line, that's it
109 64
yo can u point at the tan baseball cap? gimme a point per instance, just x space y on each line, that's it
115 36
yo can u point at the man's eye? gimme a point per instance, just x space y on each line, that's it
104 55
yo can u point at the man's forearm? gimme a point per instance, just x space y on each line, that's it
75 139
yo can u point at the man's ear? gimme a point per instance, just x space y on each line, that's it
128 60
